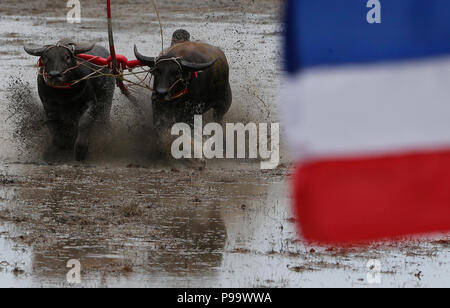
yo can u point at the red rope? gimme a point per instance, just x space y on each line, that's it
115 61
113 56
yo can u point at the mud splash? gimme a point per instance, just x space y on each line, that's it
132 221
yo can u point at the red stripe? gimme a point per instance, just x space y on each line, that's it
108 9
366 199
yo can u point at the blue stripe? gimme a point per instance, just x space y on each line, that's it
336 32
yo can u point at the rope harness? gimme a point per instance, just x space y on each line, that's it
44 74
185 82
97 65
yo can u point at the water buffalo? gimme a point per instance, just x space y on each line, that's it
190 78
73 105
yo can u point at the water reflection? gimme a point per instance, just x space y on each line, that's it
15 260
78 213
180 228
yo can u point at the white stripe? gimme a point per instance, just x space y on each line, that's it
369 109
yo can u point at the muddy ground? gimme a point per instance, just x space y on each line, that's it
132 221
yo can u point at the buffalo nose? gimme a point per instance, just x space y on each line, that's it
162 92
54 74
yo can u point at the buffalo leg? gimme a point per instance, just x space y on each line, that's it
223 104
162 125
62 141
85 125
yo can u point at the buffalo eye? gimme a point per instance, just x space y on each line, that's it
68 59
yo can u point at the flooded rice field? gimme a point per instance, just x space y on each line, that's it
133 221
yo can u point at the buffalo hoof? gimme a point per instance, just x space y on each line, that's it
81 152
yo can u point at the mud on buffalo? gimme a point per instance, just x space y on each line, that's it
74 104
190 78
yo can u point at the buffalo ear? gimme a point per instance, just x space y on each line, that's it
196 67
149 61
83 47
37 51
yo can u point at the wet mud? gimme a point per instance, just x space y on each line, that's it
136 221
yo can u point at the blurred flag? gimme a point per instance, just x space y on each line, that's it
367 116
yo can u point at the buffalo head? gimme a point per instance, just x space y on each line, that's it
58 60
170 74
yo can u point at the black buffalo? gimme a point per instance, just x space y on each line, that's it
190 78
73 105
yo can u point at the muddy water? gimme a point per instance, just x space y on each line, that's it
132 221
